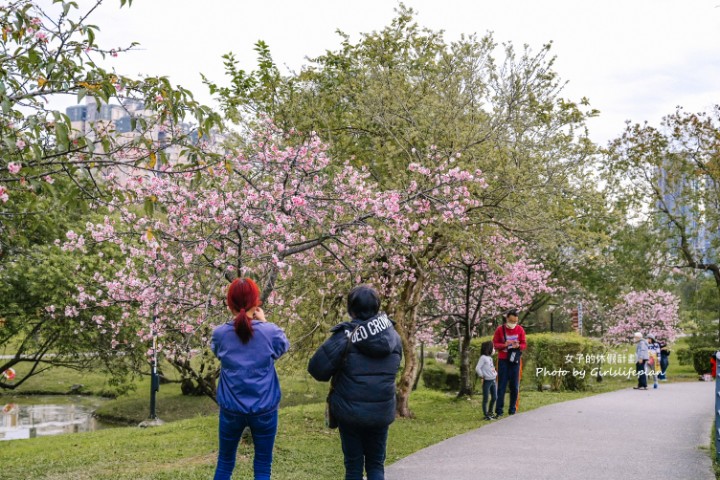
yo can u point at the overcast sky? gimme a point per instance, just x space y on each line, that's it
634 59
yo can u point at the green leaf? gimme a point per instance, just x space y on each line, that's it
61 135
149 206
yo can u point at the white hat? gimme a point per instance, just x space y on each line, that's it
638 335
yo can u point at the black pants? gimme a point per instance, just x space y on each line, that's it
364 449
489 393
642 377
508 373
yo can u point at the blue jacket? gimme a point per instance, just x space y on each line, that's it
365 390
248 381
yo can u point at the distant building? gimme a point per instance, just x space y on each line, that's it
77 113
121 121
674 194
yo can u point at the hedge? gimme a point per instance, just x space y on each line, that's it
701 359
440 377
684 355
561 356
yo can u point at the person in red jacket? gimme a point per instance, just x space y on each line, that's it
713 365
509 341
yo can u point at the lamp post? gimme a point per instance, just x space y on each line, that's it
153 419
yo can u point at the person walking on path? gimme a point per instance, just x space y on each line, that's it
641 358
486 370
364 356
248 392
664 361
654 362
509 341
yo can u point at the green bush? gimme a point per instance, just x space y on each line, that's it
452 381
701 359
684 355
561 352
440 377
475 343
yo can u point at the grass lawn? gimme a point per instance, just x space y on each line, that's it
186 448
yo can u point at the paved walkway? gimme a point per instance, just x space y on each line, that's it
627 434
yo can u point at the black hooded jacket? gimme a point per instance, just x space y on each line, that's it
365 382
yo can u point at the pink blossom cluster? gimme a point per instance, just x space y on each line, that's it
648 312
480 287
278 207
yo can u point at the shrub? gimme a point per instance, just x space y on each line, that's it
701 359
684 355
560 353
475 343
440 377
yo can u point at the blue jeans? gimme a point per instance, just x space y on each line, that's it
664 362
489 392
263 428
508 373
364 449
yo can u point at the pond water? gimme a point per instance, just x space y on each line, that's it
38 416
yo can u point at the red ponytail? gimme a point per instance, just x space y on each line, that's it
243 294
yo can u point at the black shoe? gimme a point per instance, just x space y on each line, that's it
499 415
511 413
488 417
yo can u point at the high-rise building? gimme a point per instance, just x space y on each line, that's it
120 121
680 197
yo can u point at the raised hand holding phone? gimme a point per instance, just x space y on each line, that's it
259 315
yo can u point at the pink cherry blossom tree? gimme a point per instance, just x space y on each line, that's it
278 207
647 311
185 236
481 283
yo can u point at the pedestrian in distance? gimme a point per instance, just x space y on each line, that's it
641 358
654 361
248 392
664 360
364 356
509 341
486 370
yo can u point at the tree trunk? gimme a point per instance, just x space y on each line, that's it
406 329
466 378
420 368
404 313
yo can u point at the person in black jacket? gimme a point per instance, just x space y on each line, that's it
364 356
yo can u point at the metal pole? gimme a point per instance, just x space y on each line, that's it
154 380
153 420
717 406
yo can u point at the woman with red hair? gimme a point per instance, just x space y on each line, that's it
249 391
